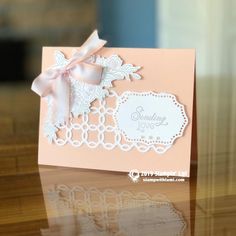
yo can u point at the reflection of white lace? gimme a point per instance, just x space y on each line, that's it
122 213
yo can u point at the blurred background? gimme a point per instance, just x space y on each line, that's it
28 25
206 25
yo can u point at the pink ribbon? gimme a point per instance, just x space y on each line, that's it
55 81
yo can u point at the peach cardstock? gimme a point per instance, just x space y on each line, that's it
162 70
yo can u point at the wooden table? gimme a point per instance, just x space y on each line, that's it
40 200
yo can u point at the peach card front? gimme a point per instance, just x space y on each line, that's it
137 116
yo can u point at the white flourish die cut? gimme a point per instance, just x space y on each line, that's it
83 94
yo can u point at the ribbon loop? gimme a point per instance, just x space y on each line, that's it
55 81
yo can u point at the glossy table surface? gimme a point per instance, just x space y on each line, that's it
43 200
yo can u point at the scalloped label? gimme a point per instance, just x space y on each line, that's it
150 118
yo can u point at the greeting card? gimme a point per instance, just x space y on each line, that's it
116 109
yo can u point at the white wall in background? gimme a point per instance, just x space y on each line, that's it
207 25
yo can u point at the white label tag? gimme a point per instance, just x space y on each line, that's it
150 118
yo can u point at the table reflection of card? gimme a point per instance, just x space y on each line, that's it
110 204
116 108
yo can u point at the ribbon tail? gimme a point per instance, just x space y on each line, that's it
61 98
42 85
89 47
92 44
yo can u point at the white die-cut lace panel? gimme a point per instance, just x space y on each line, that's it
83 94
83 129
